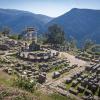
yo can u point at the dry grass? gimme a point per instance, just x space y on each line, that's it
5 79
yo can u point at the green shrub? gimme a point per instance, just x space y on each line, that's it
25 84
15 37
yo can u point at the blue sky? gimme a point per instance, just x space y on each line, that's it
52 8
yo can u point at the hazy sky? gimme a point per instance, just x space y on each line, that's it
49 7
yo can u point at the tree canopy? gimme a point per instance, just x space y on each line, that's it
55 35
73 43
6 31
87 44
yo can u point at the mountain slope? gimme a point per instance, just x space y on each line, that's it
80 23
45 19
18 20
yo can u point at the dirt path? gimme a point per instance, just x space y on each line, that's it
66 75
72 59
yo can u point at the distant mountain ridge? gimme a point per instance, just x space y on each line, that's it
45 19
18 20
80 24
